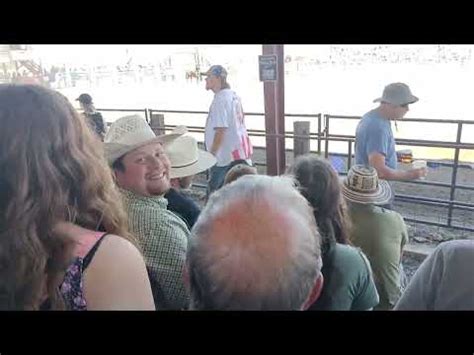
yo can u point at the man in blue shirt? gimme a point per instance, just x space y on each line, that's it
375 145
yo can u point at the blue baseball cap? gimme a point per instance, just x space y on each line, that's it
216 70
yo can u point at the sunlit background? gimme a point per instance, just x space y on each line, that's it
333 79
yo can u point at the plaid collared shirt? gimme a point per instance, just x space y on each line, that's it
164 240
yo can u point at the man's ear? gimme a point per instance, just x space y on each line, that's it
115 176
118 176
315 292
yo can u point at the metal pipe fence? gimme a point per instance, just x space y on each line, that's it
323 135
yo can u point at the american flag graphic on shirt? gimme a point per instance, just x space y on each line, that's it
245 149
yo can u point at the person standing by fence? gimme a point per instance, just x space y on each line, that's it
375 145
225 135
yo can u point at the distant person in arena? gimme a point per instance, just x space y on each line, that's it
94 118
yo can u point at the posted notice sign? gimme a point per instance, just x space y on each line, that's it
267 67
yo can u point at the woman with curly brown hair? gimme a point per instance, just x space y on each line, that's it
56 192
348 281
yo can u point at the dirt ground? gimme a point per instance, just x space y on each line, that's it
419 233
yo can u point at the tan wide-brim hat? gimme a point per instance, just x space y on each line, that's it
186 158
131 132
363 186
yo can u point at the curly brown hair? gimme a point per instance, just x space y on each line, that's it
51 168
319 184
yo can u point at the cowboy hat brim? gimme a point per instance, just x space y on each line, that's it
381 196
205 161
113 151
411 100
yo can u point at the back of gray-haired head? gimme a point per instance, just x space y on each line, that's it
255 246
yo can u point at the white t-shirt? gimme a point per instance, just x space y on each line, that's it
444 281
226 112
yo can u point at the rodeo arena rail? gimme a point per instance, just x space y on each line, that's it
302 136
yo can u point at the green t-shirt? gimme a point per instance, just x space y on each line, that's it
381 234
348 283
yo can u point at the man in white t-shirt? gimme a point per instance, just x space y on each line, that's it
225 135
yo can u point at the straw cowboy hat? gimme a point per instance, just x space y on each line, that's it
131 132
186 159
362 185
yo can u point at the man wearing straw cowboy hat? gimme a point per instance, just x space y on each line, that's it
379 232
142 172
375 145
186 161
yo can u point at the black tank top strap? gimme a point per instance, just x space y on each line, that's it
90 254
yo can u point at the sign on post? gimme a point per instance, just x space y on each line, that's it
267 67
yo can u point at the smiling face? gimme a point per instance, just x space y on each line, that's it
146 171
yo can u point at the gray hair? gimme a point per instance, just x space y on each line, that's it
255 246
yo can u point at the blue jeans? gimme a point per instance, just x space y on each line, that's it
216 177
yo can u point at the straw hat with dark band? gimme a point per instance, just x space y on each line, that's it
362 185
186 159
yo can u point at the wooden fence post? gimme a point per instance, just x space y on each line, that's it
301 144
157 123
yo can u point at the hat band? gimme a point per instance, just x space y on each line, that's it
367 191
185 165
358 189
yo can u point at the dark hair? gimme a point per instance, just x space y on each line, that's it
238 171
238 162
119 165
85 99
319 184
50 170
